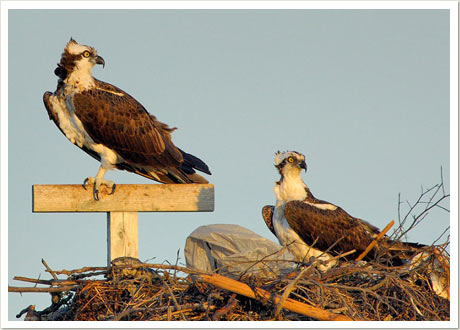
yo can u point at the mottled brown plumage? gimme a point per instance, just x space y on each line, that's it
267 214
328 226
115 119
48 106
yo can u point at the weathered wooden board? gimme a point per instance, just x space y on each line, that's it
122 238
127 198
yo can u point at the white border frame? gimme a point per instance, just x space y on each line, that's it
452 6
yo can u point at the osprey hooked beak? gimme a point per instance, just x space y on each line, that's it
303 165
100 60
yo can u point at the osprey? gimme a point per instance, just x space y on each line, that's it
308 226
111 126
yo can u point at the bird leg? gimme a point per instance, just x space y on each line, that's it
97 181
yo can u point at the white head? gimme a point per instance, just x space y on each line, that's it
79 59
290 162
291 186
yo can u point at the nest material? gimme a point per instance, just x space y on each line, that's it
352 290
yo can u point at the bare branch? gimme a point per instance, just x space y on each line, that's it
428 200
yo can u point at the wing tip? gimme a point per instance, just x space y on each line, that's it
192 162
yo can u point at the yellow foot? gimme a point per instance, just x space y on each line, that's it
97 184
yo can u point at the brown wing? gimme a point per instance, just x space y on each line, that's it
115 119
267 214
328 226
53 116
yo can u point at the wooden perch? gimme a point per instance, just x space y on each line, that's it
374 242
260 294
122 207
127 198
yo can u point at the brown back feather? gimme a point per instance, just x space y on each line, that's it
327 227
115 119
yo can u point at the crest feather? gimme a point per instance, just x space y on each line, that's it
280 156
74 48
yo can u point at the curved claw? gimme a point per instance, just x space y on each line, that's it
95 193
113 189
84 183
96 182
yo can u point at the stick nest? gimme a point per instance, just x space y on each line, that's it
131 290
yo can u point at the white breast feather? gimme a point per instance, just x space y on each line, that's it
291 189
74 131
80 79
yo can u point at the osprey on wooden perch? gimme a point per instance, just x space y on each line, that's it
114 128
309 226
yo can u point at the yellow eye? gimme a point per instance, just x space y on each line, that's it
86 53
290 160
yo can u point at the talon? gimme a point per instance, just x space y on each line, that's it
113 189
95 193
84 183
97 181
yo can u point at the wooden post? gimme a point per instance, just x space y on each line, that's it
122 207
122 240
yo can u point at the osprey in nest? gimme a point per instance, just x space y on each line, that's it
114 128
308 226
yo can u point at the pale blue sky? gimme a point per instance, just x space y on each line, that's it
364 94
